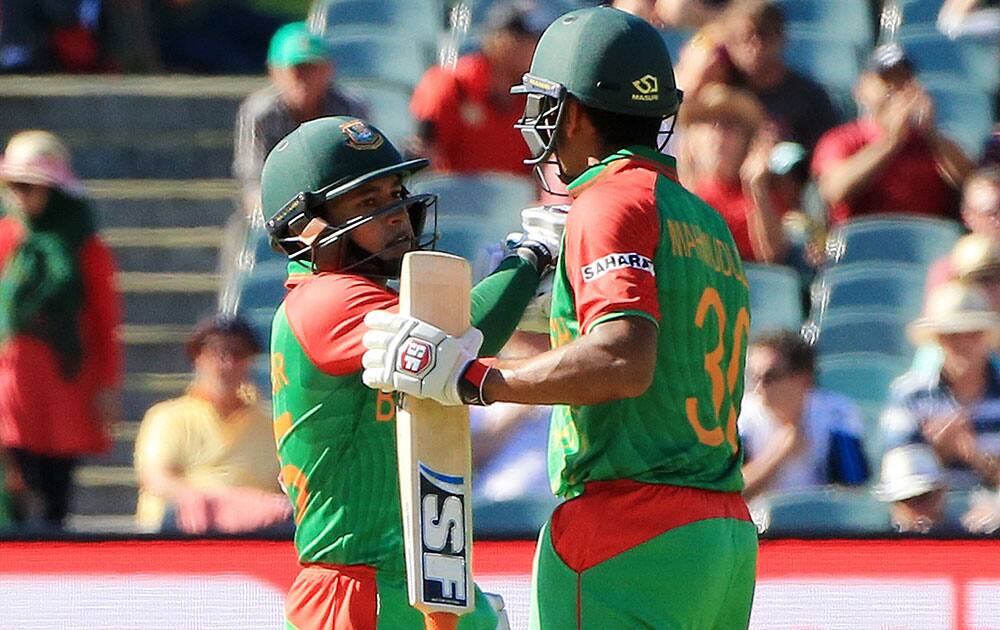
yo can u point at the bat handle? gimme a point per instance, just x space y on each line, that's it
440 621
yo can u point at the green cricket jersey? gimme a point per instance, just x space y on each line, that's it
637 244
336 437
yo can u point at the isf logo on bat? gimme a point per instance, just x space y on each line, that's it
444 549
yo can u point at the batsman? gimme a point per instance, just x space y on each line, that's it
335 194
649 324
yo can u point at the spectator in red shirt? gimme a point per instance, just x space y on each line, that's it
893 158
59 313
465 117
725 150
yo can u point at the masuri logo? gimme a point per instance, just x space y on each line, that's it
647 88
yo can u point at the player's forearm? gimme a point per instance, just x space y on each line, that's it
499 299
615 361
852 175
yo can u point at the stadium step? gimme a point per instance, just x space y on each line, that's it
128 127
162 203
102 489
169 250
143 390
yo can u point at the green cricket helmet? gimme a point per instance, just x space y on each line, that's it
607 59
318 162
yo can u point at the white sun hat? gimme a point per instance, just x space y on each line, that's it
954 308
908 471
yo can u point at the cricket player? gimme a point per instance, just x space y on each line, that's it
649 326
335 193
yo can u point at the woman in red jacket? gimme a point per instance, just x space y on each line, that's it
59 312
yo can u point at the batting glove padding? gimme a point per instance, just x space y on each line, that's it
407 355
542 226
536 315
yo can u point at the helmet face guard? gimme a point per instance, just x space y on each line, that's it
539 123
300 232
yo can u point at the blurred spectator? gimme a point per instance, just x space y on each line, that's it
991 148
508 440
725 152
981 214
465 116
913 485
755 40
208 457
49 35
893 158
212 36
509 448
59 316
129 37
795 435
688 13
302 89
956 408
968 18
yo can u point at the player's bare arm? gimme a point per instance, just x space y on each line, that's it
616 360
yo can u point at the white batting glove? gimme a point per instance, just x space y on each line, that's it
541 226
536 315
407 355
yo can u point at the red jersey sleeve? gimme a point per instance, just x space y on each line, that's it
101 311
611 237
326 315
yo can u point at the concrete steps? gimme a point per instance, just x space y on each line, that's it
178 127
155 154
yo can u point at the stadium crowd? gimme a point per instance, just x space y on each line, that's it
863 198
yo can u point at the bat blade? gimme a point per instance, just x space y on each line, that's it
435 451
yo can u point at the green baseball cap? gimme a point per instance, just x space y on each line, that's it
293 44
609 60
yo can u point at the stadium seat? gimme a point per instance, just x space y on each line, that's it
824 511
775 298
892 238
516 519
476 212
863 331
420 19
875 287
976 62
264 287
863 376
831 60
387 57
675 39
920 14
848 19
963 111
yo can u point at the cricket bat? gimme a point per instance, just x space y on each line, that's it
435 454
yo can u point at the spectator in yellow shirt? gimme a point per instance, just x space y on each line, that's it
206 460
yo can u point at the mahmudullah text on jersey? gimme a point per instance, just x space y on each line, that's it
596 269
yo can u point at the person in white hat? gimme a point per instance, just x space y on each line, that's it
955 409
59 313
913 484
